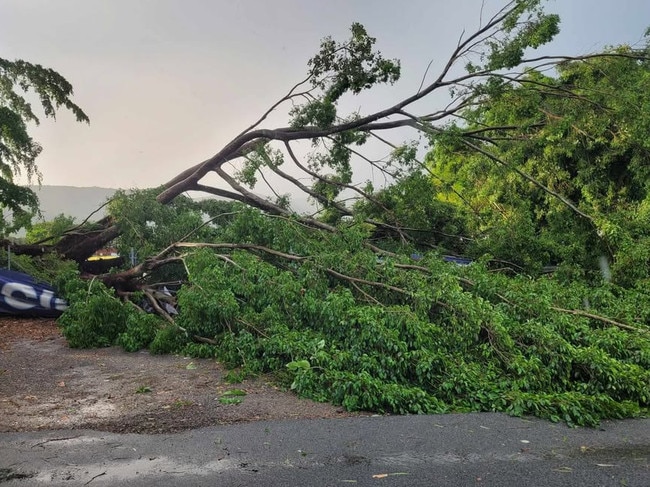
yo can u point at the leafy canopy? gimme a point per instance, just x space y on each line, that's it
589 147
49 231
20 82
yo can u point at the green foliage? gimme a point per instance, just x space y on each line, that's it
46 268
95 317
235 377
230 400
350 317
199 350
574 408
149 226
264 156
232 396
433 339
140 331
169 339
18 151
589 148
49 232
339 68
20 204
631 267
526 26
411 203
351 66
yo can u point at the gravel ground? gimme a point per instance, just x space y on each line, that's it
46 385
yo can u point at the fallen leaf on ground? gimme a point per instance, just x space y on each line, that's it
384 475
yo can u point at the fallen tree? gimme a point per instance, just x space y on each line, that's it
354 303
336 322
492 57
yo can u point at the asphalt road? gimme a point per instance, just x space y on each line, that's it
448 450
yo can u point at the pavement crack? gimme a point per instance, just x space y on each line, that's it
98 475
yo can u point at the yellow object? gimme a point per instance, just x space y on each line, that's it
102 257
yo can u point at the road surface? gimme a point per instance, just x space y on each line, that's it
478 450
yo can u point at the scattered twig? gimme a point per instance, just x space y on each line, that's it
96 476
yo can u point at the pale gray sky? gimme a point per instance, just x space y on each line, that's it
167 82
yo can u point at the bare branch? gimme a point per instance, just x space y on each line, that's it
286 97
159 310
242 246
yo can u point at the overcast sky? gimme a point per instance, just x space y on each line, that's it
167 82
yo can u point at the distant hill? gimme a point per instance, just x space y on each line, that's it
72 201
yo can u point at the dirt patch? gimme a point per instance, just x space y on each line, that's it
46 385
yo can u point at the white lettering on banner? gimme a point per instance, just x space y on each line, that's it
23 297
46 299
60 304
28 292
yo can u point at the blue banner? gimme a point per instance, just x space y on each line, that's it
21 294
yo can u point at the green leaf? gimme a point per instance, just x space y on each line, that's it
298 365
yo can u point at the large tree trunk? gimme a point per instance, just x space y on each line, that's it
78 246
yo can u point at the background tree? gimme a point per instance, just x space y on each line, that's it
413 205
49 231
587 148
20 83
